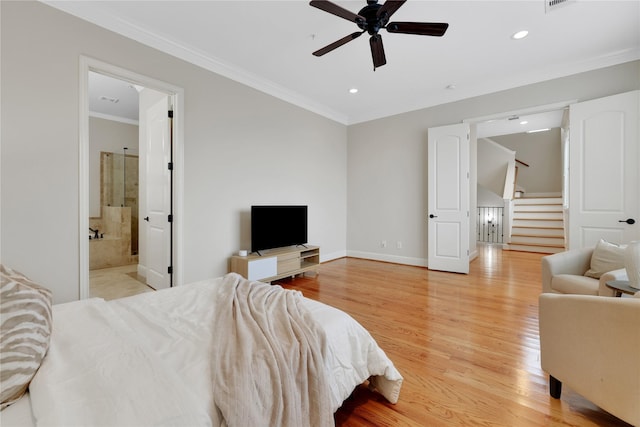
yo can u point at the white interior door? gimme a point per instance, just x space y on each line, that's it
157 214
604 185
448 198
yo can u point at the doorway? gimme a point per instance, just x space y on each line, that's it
115 190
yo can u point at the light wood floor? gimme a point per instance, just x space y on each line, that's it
467 345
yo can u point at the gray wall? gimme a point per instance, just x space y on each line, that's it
241 147
541 151
387 158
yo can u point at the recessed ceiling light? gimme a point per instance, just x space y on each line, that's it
520 35
524 122
353 90
538 130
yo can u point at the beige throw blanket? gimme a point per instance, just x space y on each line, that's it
268 367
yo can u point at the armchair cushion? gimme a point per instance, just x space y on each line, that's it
606 257
574 284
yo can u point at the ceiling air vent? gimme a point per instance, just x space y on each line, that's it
551 5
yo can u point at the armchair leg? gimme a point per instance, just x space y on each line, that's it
555 387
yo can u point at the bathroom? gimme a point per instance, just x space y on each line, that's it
113 186
114 231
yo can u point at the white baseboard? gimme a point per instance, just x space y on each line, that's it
418 262
331 256
142 270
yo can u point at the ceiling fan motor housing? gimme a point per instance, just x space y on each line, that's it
373 23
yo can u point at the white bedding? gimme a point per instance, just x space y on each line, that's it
145 360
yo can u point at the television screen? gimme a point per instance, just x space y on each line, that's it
278 226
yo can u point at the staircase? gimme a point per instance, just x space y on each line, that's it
537 225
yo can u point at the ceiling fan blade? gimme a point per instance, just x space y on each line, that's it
389 8
420 28
377 51
328 48
334 9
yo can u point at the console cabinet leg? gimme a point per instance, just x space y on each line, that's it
555 387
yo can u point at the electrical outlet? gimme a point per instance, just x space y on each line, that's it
383 244
399 244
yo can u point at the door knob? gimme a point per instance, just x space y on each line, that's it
629 221
146 218
433 216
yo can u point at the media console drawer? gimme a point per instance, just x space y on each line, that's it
288 265
276 263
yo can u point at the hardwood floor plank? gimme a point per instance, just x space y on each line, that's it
467 345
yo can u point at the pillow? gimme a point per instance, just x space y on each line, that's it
25 330
606 257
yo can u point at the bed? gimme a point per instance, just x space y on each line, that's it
222 352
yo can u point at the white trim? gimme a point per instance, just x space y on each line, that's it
332 256
83 179
177 97
113 118
418 262
522 112
105 19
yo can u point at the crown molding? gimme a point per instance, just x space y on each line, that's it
91 12
534 76
113 118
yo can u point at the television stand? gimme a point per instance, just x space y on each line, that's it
278 263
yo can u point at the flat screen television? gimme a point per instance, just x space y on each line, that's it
278 226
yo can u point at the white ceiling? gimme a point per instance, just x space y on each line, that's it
268 44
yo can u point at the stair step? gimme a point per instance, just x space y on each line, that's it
538 201
537 208
533 239
536 248
538 225
537 231
537 215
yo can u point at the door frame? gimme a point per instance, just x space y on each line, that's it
176 95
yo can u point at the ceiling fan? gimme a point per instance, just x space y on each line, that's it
372 18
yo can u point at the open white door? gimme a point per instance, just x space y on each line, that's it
158 210
448 198
604 184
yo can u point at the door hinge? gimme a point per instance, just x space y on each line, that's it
170 114
170 166
170 270
170 219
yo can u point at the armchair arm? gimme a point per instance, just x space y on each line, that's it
620 274
593 344
575 261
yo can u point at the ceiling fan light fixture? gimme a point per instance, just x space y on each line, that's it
520 35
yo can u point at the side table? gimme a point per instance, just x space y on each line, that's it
621 287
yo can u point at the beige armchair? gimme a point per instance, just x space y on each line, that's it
592 344
563 273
